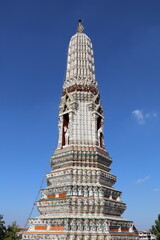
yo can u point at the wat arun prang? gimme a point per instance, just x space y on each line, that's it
79 201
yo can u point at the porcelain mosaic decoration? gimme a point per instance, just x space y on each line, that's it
79 201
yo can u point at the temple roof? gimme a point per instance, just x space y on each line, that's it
80 60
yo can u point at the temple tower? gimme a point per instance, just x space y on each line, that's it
79 201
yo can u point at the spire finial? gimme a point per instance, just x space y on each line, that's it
80 27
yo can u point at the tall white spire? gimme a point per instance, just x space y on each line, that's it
81 113
79 201
80 60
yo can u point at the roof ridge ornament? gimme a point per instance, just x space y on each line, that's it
80 26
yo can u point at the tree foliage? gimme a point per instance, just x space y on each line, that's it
156 228
10 232
2 228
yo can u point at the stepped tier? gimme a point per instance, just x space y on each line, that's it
78 158
77 175
71 228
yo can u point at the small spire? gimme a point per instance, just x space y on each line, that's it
80 27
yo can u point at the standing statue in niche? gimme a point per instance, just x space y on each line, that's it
66 135
100 137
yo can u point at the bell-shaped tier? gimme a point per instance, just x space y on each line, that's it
80 61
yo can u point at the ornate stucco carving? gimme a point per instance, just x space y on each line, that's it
80 202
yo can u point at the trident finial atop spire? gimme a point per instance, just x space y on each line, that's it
80 27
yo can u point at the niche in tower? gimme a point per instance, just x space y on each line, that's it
99 131
97 100
65 134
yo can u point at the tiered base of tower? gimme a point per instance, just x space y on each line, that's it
81 228
79 201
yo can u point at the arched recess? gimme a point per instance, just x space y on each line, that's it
65 133
97 101
100 131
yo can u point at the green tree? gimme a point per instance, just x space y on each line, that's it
156 228
11 232
2 228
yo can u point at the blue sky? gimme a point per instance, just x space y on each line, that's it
33 50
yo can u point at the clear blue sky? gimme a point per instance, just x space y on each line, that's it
33 50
